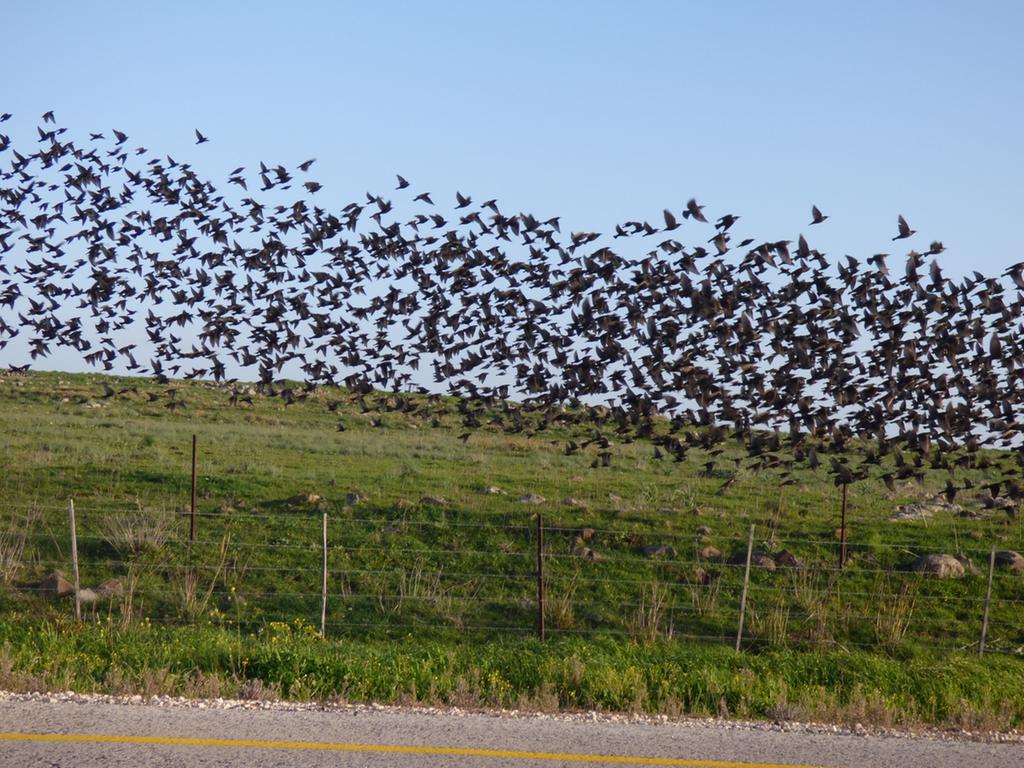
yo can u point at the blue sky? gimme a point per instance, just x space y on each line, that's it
598 112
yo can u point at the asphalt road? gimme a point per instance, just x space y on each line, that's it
83 734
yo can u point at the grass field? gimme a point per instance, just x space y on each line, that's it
432 556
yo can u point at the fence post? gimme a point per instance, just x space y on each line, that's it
192 519
74 558
323 585
842 529
743 596
988 599
540 576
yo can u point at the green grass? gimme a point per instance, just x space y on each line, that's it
459 578
290 661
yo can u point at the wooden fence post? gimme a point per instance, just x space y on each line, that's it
743 596
192 518
74 558
988 600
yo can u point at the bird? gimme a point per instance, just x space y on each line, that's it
694 210
1016 274
200 139
725 222
688 345
904 229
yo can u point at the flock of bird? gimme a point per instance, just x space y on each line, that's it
135 260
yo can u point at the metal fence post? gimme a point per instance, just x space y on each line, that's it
746 582
74 558
988 600
842 529
323 584
540 576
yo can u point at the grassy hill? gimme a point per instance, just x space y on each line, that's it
432 545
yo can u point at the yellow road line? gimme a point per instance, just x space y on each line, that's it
99 738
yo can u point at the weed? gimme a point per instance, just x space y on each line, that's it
560 604
704 588
137 532
894 609
12 543
813 594
130 585
647 622
254 689
421 586
195 590
771 623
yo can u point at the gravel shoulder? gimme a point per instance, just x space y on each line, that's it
370 724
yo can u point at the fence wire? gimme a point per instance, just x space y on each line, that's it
398 572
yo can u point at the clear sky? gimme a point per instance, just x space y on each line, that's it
595 111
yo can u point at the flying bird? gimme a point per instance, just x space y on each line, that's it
694 210
904 229
797 358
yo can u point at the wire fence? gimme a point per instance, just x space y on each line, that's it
352 572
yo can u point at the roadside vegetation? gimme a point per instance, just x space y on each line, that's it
290 661
432 565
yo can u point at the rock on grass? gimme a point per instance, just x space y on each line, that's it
1010 560
943 566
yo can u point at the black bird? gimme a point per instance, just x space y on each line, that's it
200 139
689 344
904 229
694 210
725 222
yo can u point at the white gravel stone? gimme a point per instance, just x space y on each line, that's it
858 729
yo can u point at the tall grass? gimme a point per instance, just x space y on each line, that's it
290 661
